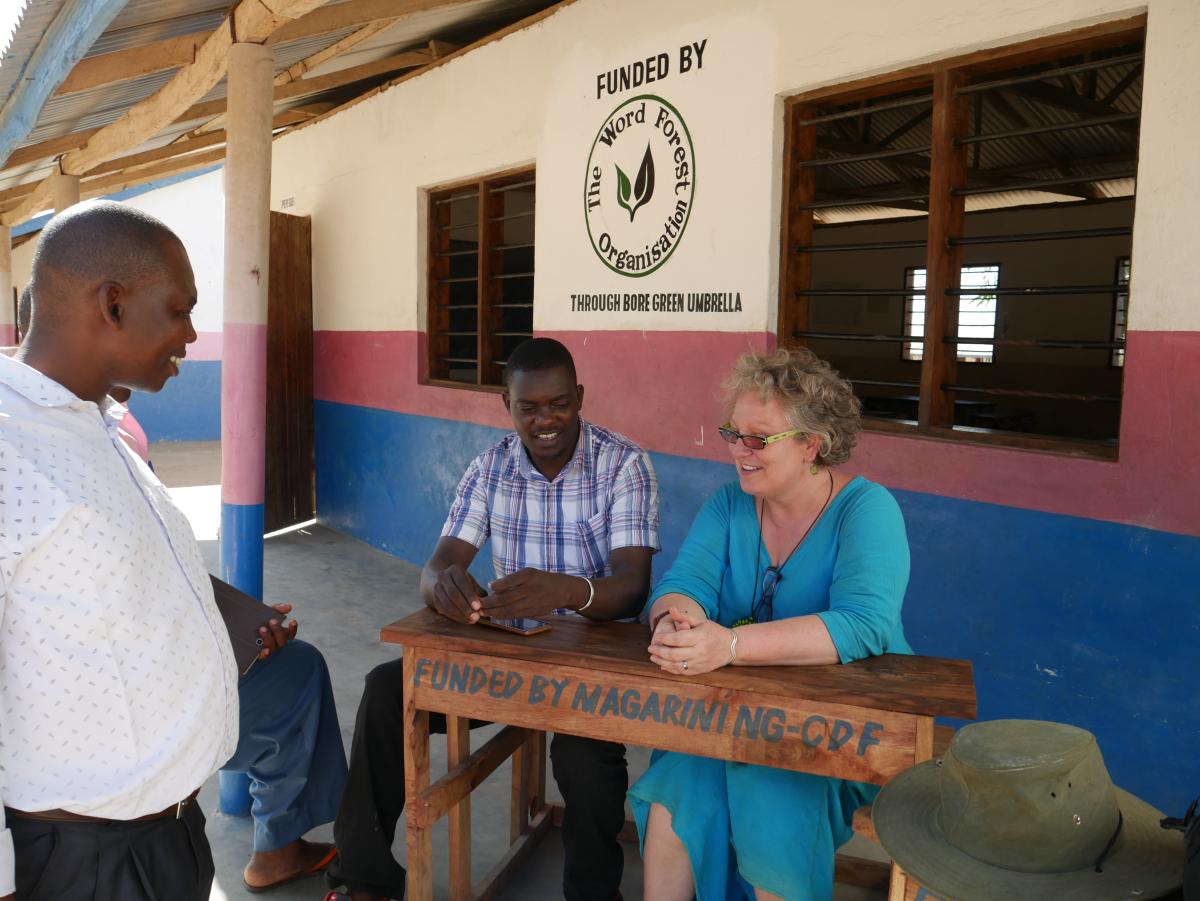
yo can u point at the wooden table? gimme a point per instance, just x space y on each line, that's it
865 721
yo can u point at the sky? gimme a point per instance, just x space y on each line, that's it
10 14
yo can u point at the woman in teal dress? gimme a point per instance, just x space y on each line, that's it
796 563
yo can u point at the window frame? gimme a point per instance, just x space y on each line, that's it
487 339
946 215
1120 329
909 274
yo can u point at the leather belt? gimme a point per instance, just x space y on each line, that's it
65 816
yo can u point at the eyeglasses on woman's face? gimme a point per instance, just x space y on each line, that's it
754 442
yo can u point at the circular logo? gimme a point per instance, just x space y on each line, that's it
639 185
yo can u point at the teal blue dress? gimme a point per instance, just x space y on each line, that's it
745 825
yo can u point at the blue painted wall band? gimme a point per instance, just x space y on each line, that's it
1064 618
187 409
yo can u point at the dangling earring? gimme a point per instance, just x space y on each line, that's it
813 468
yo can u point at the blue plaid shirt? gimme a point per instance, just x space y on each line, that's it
605 498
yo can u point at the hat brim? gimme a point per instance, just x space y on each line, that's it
1146 861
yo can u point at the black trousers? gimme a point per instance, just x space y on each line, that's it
155 860
591 775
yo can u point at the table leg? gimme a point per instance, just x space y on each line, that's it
901 887
519 809
416 781
458 748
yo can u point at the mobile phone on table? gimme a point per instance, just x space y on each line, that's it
520 626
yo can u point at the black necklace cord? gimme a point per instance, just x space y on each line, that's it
754 608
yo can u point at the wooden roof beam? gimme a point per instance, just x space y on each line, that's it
355 14
55 146
286 91
250 20
123 65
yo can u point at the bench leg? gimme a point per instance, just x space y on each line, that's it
458 748
416 781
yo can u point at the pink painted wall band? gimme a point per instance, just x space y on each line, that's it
661 389
8 335
243 413
207 346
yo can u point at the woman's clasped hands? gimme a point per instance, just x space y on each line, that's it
689 645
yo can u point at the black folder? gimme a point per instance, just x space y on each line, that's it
243 616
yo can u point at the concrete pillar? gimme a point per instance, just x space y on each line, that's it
244 350
65 190
8 330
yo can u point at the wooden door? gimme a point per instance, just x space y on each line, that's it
290 486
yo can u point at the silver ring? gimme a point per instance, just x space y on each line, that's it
685 664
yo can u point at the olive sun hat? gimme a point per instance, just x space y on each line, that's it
1020 809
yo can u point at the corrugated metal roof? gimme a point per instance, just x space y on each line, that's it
143 22
25 38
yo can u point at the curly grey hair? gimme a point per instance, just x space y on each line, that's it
816 400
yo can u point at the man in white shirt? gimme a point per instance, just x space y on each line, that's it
118 688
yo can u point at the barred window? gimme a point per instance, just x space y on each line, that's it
481 271
964 213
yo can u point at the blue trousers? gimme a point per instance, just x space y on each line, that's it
289 745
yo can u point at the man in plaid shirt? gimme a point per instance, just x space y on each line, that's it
571 510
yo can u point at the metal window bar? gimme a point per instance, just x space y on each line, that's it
512 306
863 157
1032 292
456 306
862 201
1050 73
515 334
1047 395
868 292
450 227
1043 236
1043 183
455 253
508 275
1057 343
513 246
459 334
470 360
842 336
867 110
523 215
455 198
866 245
883 383
459 279
520 184
1048 129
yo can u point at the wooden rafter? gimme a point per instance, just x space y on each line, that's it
209 108
355 14
168 151
160 56
250 20
288 84
122 65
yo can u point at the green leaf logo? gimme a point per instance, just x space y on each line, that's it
631 197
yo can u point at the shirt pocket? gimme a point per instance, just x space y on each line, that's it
593 537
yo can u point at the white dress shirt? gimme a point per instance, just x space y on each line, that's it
118 687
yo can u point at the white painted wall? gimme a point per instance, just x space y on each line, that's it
362 174
195 210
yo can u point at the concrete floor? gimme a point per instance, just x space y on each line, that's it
343 592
